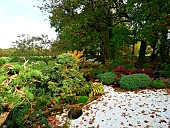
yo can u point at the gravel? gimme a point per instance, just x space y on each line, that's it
142 109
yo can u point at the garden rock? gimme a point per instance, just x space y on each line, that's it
75 113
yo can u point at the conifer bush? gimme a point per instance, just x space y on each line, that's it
66 80
135 81
107 77
158 84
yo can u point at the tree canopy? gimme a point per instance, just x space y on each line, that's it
104 27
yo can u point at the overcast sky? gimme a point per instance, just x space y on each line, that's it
21 17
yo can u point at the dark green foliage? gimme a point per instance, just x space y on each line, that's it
135 81
65 79
158 84
26 93
107 77
97 71
165 66
67 61
92 74
82 99
68 98
165 74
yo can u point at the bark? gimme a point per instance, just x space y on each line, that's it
163 49
154 53
142 52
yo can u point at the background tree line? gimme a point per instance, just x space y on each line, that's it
107 29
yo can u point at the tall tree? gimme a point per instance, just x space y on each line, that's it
87 24
152 20
91 24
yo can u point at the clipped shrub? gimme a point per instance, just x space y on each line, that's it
135 81
107 77
158 84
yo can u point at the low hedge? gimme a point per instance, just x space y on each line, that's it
135 81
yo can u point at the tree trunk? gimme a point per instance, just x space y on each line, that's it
153 55
163 46
142 51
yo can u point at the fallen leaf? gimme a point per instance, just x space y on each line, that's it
162 121
152 116
130 125
146 121
142 111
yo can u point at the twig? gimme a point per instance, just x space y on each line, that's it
26 61
9 80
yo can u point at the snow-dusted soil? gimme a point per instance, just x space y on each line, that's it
143 109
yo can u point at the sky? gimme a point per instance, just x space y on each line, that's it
21 17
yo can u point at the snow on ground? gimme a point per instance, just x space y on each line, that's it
144 109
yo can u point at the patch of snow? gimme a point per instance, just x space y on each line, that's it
144 109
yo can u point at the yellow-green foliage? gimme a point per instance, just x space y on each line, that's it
97 89
77 54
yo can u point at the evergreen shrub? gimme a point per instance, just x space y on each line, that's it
107 77
165 74
66 80
135 81
158 84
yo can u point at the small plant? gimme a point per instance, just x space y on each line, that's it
158 84
82 99
135 81
107 77
97 89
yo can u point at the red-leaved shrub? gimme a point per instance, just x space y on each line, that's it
121 70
